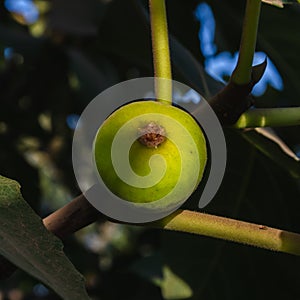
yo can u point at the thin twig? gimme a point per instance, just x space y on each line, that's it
79 213
269 117
232 230
161 50
242 73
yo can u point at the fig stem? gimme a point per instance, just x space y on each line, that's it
80 213
232 230
269 117
161 51
242 72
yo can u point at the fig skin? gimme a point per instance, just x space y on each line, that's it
152 124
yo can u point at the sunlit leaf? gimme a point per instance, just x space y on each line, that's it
275 149
280 3
174 287
271 135
152 269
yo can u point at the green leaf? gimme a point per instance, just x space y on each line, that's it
275 149
27 243
173 287
280 3
152 269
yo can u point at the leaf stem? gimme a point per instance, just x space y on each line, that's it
79 213
242 73
269 117
232 230
161 51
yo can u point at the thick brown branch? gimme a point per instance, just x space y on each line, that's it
72 217
234 99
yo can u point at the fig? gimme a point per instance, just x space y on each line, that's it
150 152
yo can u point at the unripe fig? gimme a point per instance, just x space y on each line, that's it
147 151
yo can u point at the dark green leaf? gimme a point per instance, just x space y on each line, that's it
28 244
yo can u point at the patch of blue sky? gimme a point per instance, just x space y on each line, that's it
8 53
25 8
72 121
40 290
191 96
205 16
222 64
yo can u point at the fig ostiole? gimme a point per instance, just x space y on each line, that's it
152 153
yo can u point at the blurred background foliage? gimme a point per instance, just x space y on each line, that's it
56 56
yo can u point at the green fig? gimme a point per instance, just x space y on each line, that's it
147 151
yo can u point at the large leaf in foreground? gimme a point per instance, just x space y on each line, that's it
27 243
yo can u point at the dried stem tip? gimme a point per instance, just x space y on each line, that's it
152 135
